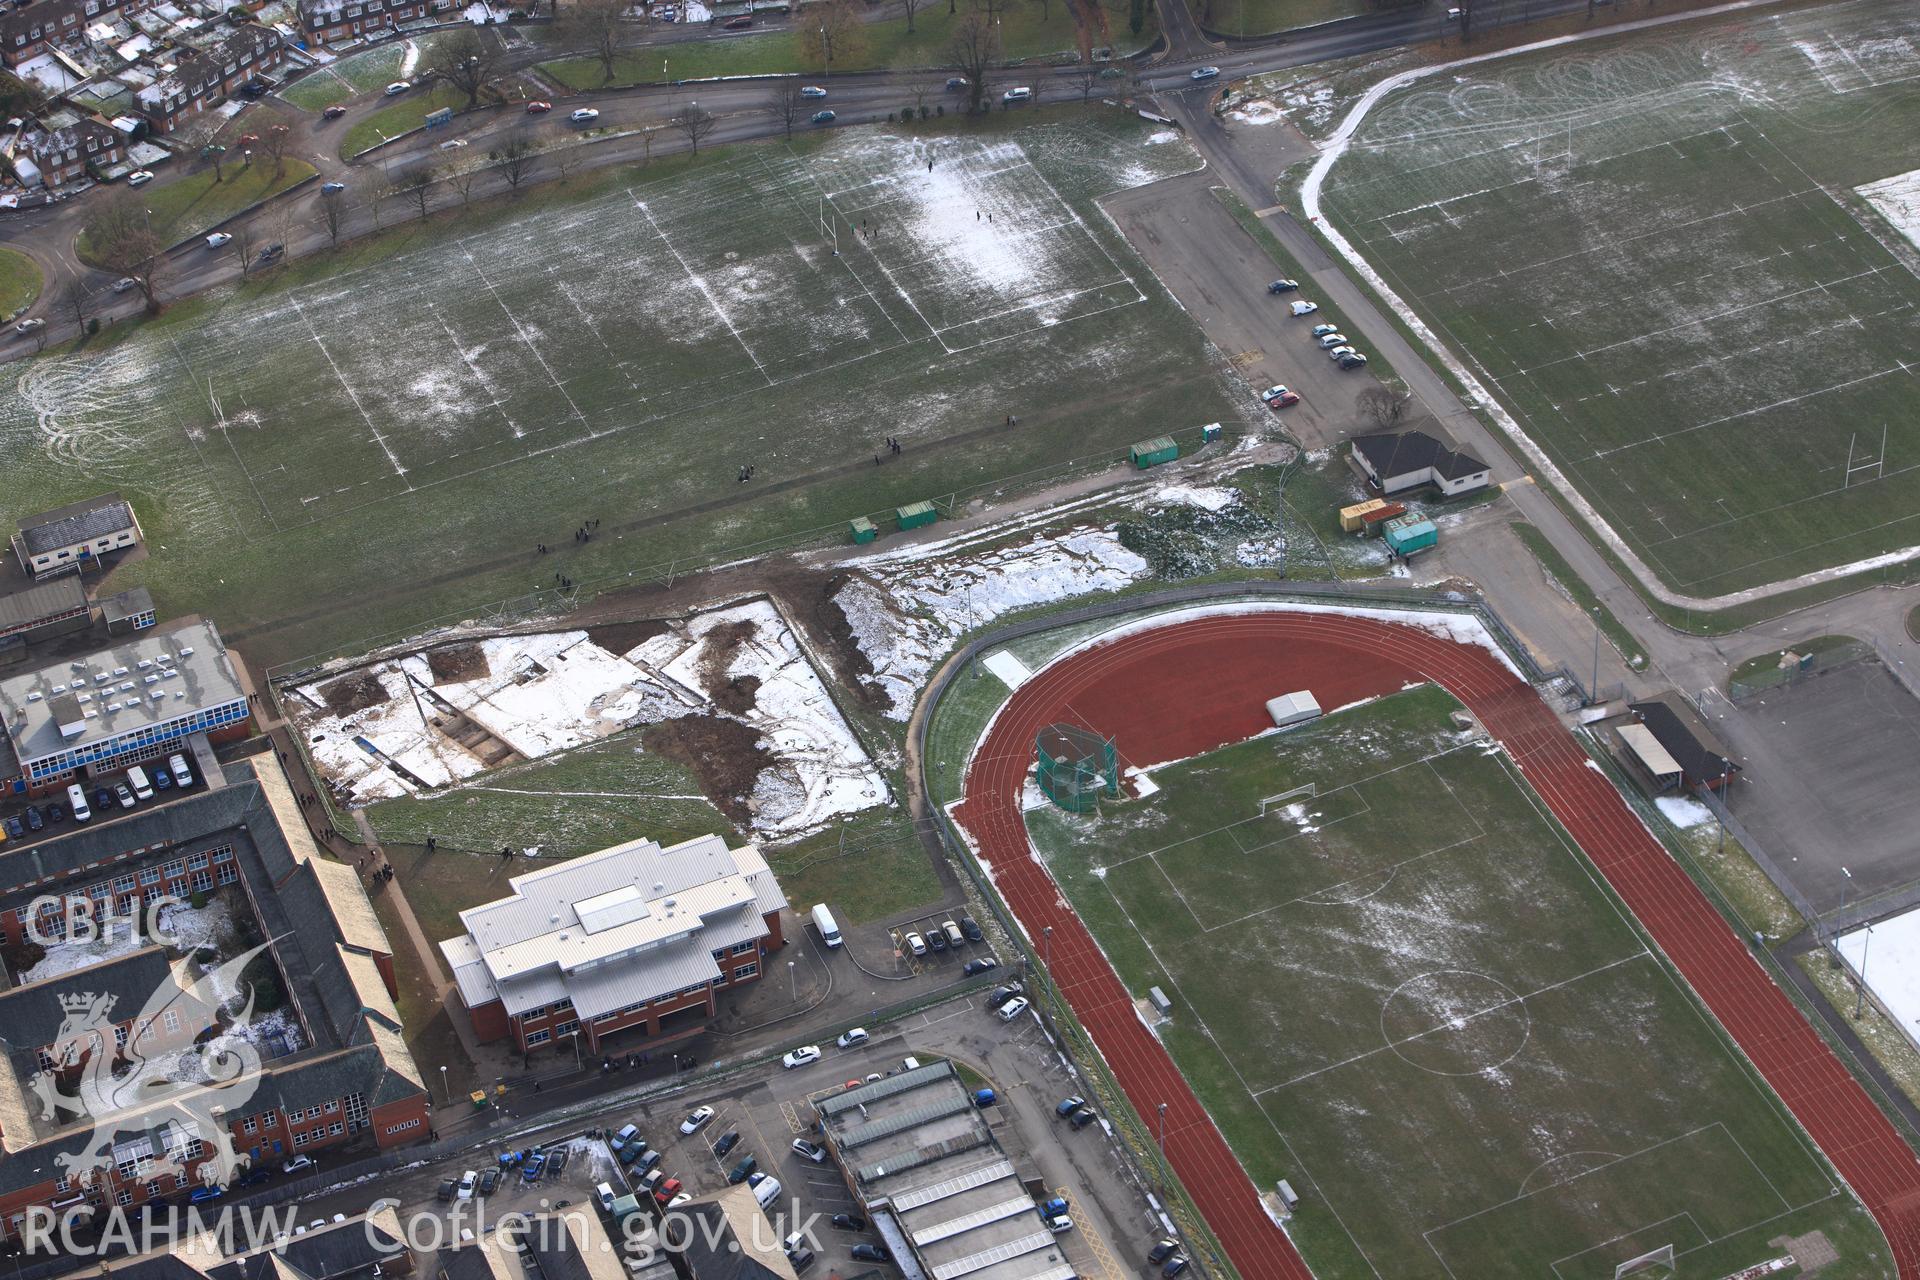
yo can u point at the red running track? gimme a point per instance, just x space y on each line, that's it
1188 687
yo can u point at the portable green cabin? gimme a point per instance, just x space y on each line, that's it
1210 433
862 529
1151 453
1409 534
915 514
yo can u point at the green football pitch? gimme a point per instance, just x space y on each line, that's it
1709 320
364 449
1398 986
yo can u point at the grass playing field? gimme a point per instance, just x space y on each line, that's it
1402 991
1707 324
328 454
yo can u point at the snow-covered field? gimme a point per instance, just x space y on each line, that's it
1898 199
1890 953
908 607
548 692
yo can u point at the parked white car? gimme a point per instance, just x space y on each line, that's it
218 239
397 88
1303 307
857 1035
800 1057
140 177
585 115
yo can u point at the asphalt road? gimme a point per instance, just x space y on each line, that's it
46 233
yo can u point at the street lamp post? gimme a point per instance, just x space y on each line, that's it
1163 1131
1046 949
578 1063
445 1097
793 982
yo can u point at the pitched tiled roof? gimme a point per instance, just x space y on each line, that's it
79 521
1397 453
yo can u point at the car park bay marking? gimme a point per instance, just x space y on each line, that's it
792 1117
1088 1232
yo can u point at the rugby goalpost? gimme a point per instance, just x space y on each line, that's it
1661 1257
829 229
1311 791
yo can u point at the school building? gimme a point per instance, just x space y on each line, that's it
632 936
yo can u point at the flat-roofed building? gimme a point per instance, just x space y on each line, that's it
135 701
623 938
945 1198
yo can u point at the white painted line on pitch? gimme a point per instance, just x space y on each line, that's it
378 439
699 282
1392 1045
525 337
479 374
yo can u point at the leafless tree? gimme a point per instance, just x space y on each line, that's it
833 31
121 238
1087 76
514 159
463 178
375 189
786 105
469 61
416 184
595 27
243 241
276 137
973 49
1385 407
333 214
694 123
912 7
71 300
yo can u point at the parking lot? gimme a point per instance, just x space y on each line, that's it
106 797
1112 1226
925 944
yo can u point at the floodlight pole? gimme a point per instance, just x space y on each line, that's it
1725 773
1046 948
1163 1132
1860 1001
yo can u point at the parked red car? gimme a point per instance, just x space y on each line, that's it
248 139
536 108
740 23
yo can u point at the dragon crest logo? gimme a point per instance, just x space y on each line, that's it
156 1113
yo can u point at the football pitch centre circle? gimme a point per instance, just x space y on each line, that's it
1455 1022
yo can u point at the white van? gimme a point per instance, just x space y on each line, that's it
77 801
137 779
824 922
767 1192
182 776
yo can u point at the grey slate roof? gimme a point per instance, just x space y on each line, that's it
1397 453
75 523
53 598
30 1016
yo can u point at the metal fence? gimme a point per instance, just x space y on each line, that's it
1816 663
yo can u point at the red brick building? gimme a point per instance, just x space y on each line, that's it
193 79
64 149
332 21
635 936
333 1067
27 29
